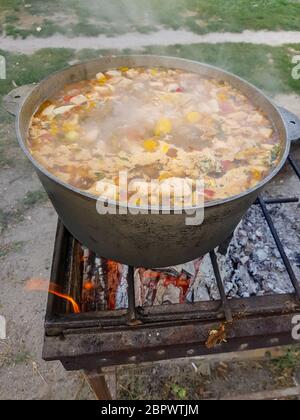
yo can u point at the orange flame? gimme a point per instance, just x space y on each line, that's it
42 285
88 285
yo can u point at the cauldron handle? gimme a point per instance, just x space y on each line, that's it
292 123
12 101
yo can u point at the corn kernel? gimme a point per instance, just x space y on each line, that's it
164 126
151 145
222 97
72 136
256 174
164 175
165 148
100 76
193 117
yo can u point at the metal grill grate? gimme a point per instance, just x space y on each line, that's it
107 338
225 302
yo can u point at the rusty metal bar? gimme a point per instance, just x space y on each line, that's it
174 314
294 165
266 395
132 315
280 247
225 302
144 343
98 384
283 200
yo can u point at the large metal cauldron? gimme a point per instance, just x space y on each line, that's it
149 240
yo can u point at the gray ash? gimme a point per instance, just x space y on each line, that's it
252 265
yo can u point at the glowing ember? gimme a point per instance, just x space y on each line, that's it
113 274
42 285
88 285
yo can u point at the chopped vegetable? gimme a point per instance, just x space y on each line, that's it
256 174
72 136
227 164
222 97
209 193
165 147
63 109
193 117
100 76
164 126
275 152
113 73
49 111
266 132
172 153
165 175
78 100
151 145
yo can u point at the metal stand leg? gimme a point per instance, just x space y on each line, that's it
103 383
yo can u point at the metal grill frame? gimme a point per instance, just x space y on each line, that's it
109 338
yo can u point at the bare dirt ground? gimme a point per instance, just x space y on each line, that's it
163 37
28 228
27 245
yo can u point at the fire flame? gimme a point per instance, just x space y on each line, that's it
42 285
88 285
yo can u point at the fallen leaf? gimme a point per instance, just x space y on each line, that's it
217 337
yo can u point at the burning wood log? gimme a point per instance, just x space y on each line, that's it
113 272
101 290
104 285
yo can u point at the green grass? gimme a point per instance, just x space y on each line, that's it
291 360
5 141
11 19
13 247
23 69
10 359
16 214
49 28
267 67
34 198
3 160
21 358
2 219
178 392
120 16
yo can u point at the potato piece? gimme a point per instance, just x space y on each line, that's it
72 136
113 73
48 112
100 76
266 132
63 109
151 145
193 117
79 100
164 126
